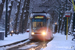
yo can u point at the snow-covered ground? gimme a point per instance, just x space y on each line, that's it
61 43
14 38
58 43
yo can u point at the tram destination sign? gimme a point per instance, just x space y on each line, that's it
40 17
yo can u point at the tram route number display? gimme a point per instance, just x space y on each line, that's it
39 16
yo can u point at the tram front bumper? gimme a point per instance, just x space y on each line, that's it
43 33
38 37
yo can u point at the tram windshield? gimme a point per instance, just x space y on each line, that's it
37 23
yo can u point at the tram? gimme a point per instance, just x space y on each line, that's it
40 26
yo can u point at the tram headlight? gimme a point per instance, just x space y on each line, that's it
44 33
32 33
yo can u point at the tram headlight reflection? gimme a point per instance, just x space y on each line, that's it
32 33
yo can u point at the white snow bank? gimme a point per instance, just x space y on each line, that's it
14 38
60 43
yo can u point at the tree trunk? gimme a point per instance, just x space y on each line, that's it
21 19
25 21
1 8
16 19
8 22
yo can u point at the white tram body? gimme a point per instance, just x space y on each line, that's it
40 26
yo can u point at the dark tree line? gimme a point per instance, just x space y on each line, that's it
17 15
1 8
18 12
21 19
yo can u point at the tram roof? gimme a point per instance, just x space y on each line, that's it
39 13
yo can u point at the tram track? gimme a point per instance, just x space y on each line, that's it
35 45
29 45
38 45
14 44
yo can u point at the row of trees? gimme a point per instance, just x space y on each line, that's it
62 20
18 11
1 11
17 15
1 7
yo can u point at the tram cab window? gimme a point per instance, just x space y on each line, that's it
38 24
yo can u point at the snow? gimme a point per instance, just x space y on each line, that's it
28 46
18 0
8 47
0 1
60 43
14 38
9 4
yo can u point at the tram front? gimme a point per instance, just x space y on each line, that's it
38 26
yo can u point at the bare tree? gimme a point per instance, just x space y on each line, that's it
25 21
21 18
16 19
1 8
9 12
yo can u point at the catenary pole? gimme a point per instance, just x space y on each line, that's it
6 18
66 18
